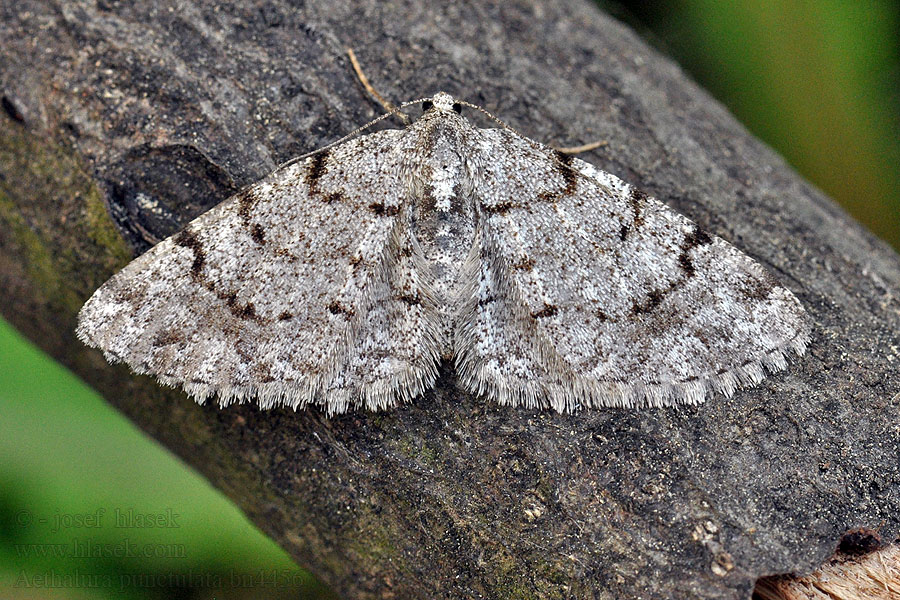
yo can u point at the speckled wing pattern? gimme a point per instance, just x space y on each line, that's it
343 279
288 293
591 293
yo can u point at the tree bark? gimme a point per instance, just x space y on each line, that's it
122 122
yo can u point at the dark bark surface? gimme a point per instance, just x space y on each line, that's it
120 124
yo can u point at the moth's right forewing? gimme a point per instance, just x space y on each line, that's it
607 297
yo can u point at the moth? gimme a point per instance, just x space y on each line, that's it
344 278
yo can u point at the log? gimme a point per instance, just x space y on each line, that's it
122 121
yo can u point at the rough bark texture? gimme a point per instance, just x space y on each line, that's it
120 124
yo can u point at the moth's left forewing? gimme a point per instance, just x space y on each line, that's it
300 289
626 301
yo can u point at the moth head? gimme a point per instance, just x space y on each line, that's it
442 102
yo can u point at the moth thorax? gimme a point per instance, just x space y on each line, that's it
443 221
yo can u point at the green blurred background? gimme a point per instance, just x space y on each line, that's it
817 80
